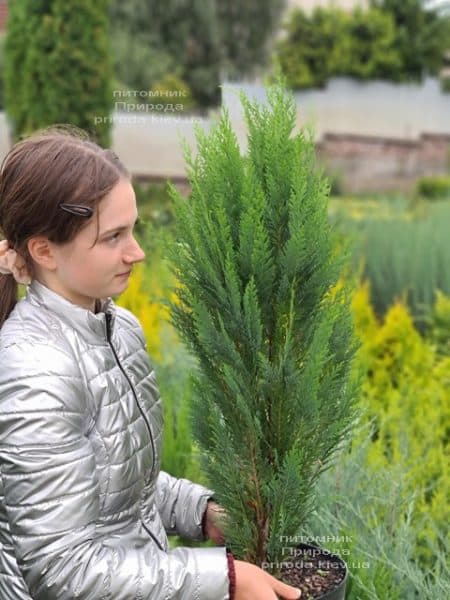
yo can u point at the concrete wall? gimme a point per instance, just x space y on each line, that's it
376 108
375 136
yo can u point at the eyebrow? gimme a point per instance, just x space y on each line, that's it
119 228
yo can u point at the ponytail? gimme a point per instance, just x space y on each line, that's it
8 296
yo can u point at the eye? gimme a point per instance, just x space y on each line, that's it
113 237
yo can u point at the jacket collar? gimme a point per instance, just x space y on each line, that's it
89 324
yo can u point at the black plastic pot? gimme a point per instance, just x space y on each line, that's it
328 561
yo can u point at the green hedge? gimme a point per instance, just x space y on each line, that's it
389 40
57 66
434 187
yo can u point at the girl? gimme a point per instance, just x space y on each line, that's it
84 507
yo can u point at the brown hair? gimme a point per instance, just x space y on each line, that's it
54 166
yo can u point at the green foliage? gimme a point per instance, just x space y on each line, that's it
137 63
154 204
170 83
384 500
392 40
179 454
387 493
57 67
333 42
405 253
368 47
176 38
438 322
369 518
310 50
246 30
260 308
422 36
195 41
437 187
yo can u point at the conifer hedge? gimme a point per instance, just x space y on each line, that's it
57 66
396 40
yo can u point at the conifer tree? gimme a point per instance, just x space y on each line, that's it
182 36
262 307
422 36
247 31
57 66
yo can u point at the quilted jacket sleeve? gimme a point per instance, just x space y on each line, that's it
181 505
51 496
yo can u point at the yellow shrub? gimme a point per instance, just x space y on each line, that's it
406 392
144 297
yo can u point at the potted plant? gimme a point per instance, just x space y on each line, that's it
261 304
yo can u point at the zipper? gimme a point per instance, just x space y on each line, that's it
144 416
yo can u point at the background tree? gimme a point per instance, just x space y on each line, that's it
310 49
177 38
196 41
139 59
368 48
422 36
392 40
57 65
263 309
247 30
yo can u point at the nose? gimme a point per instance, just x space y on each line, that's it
134 253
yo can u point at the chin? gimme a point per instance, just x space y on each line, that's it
119 288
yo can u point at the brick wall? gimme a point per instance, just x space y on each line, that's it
362 164
365 163
3 13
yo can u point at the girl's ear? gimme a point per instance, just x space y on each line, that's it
41 251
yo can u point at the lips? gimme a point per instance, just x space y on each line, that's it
123 274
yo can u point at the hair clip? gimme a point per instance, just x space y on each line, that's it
77 209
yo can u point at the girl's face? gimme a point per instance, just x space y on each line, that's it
82 271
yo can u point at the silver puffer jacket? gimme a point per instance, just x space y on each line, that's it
84 507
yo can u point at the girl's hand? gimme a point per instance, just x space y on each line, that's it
213 522
252 583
